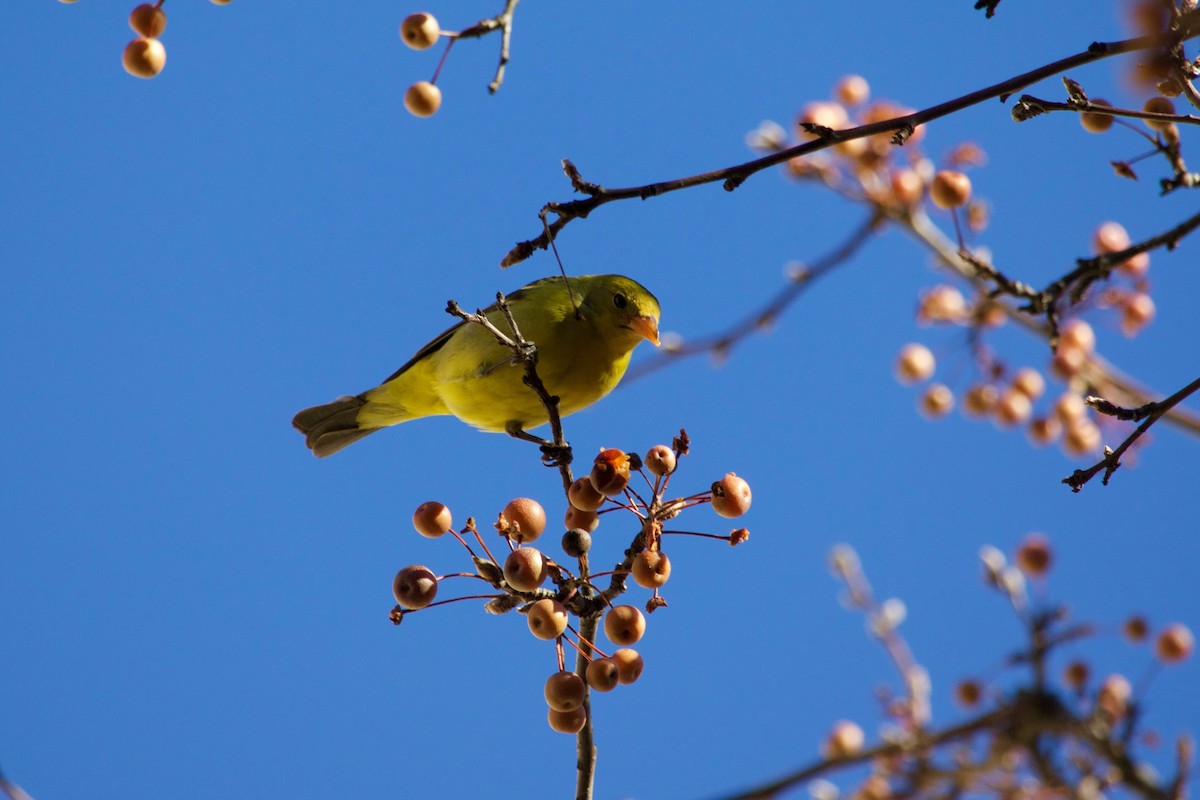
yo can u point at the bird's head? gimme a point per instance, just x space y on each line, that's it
625 305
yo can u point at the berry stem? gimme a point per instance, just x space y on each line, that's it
697 533
449 43
584 639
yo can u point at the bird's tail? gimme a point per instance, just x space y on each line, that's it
330 427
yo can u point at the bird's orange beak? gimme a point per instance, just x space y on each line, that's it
646 327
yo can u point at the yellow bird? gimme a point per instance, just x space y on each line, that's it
584 338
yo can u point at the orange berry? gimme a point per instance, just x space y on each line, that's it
432 519
610 472
565 691
1158 105
915 363
1034 555
1067 361
629 665
1044 430
586 521
148 20
1077 333
220 2
1136 629
525 569
144 58
1135 266
942 303
907 186
1081 438
1076 675
1012 408
845 740
950 189
624 625
731 496
1110 237
651 569
823 113
420 31
980 399
423 99
1070 408
968 693
603 674
1029 382
415 586
1136 313
584 496
576 542
547 618
1174 644
525 518
1094 122
852 90
660 460
567 721
937 401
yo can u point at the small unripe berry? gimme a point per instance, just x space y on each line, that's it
148 20
1174 644
420 31
1034 555
576 542
1076 675
547 618
624 625
629 665
915 363
651 569
980 399
525 569
586 521
1158 105
423 99
1029 382
852 90
844 741
565 691
432 519
610 472
526 519
950 189
567 721
414 586
1013 408
584 496
1136 629
603 674
937 401
731 496
968 693
144 58
660 460
1094 122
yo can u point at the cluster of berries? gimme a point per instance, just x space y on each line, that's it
421 31
521 578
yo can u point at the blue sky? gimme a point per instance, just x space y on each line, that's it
192 606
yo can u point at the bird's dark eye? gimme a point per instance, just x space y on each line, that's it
619 300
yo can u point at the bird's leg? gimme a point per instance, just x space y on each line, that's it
553 455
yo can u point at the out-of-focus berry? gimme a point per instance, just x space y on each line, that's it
1095 122
1158 105
144 58
1034 555
525 569
1076 675
651 569
432 519
907 186
1070 408
968 693
567 721
1136 629
565 691
415 586
420 31
937 401
610 472
942 303
150 21
576 542
547 618
1081 438
1044 430
1110 237
1174 644
980 399
660 460
731 496
525 518
1068 360
915 363
1077 333
824 114
629 665
1113 697
603 674
852 90
950 189
1029 382
1136 266
1136 313
845 740
1012 408
624 625
423 99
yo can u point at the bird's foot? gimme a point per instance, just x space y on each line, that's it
556 455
